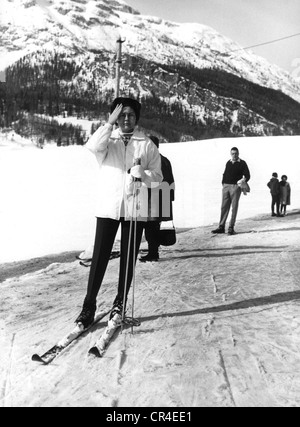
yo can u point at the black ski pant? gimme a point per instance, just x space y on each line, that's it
104 240
275 202
152 229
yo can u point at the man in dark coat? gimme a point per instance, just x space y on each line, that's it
274 187
160 207
236 173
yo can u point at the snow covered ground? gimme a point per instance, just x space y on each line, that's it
220 327
48 196
220 315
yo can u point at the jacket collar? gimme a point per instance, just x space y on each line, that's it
137 135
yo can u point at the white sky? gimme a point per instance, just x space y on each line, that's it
248 22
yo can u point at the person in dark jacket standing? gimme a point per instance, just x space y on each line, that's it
236 172
160 207
274 187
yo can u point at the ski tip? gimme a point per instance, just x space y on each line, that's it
95 352
37 358
45 359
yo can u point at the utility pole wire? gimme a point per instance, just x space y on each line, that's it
266 43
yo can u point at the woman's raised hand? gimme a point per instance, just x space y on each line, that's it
115 114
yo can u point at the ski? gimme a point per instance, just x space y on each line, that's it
113 325
79 330
87 262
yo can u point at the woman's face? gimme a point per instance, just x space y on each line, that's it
127 120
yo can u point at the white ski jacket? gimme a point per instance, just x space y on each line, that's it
115 182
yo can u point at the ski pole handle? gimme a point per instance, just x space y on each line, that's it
137 162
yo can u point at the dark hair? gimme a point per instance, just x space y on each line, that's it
155 140
128 102
284 176
275 174
235 149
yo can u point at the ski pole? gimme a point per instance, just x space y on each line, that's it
131 228
134 257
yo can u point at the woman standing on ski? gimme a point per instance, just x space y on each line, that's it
118 152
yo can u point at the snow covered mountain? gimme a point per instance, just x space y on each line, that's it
59 57
84 25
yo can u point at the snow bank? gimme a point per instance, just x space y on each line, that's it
47 202
199 166
48 196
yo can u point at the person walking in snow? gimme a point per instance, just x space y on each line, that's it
116 152
274 187
285 194
236 174
160 207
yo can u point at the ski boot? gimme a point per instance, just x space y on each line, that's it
117 311
87 315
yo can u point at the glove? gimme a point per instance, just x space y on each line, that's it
138 172
133 186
